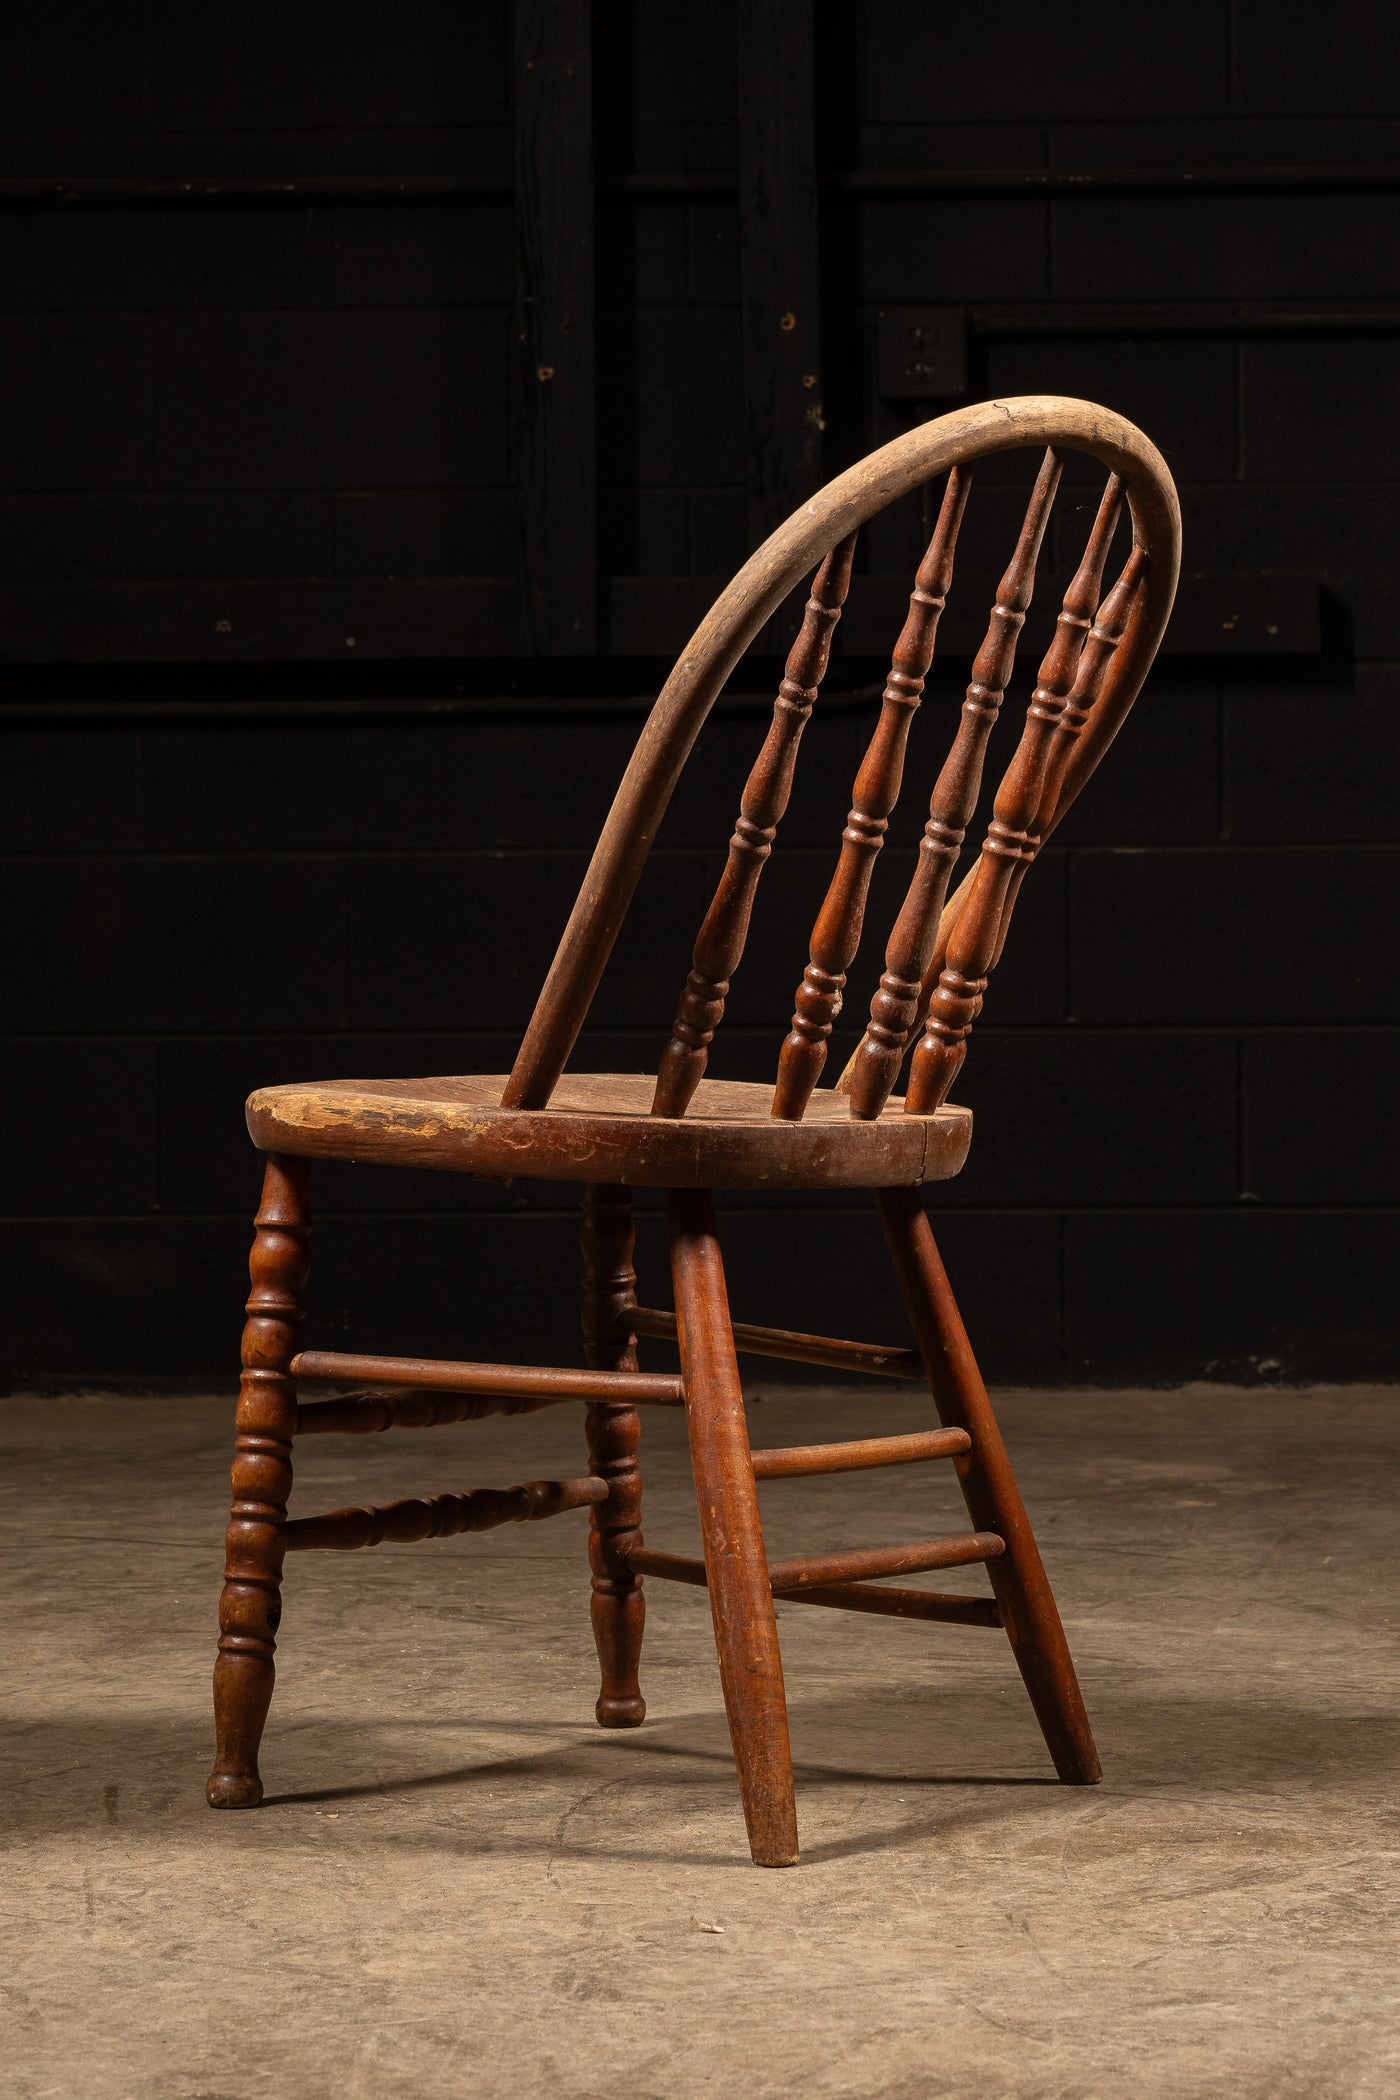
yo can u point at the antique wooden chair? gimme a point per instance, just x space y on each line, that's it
690 1134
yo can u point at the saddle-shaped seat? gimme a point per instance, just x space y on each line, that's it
598 1126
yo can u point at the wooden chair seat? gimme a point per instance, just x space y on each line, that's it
691 1133
598 1127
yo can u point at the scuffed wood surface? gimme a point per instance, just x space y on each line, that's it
598 1127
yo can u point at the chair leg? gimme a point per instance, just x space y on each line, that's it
989 1488
618 1606
250 1608
746 1631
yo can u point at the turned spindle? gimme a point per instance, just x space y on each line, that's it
836 935
720 944
250 1607
1071 681
894 1010
420 1517
617 1607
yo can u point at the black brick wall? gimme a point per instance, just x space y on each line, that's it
214 876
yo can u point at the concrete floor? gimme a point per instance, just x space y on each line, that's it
460 1886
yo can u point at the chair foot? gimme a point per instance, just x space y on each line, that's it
233 1789
993 1499
617 1607
250 1608
741 1601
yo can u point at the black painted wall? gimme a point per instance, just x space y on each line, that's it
220 873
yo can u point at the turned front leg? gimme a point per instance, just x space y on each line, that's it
250 1607
618 1607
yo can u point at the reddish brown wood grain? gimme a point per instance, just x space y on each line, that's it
720 944
910 950
826 1350
797 1461
746 1632
369 1414
250 1609
535 1381
1019 1582
421 1517
836 935
1069 684
618 1608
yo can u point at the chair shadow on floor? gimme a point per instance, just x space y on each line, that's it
1154 1744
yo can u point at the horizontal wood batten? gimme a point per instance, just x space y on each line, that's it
125 192
364 1414
835 1355
441 1516
793 1461
825 1569
407 620
543 1381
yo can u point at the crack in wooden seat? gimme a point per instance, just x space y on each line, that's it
690 1132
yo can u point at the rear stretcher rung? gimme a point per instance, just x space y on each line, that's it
362 1414
900 1604
538 1381
795 1348
828 1568
793 1461
442 1516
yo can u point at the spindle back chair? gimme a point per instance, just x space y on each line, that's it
690 1134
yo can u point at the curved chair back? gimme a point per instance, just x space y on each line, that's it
941 951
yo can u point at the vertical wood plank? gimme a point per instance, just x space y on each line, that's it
783 412
557 466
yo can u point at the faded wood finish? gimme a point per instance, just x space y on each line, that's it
836 935
691 1134
250 1609
720 944
746 1632
821 1349
599 1126
441 1516
1019 1582
618 1608
1068 686
791 553
896 1002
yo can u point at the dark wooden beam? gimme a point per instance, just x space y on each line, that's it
778 257
391 619
558 473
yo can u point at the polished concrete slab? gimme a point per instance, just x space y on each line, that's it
459 1885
